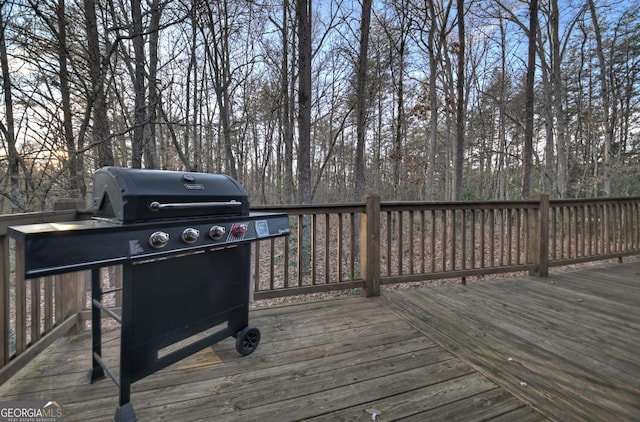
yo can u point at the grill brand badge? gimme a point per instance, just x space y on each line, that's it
31 411
193 186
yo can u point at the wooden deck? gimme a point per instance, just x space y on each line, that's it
444 353
573 338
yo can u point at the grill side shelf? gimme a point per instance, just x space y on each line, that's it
58 248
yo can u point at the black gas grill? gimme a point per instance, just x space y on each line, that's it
184 242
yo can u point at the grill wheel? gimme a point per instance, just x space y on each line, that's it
247 340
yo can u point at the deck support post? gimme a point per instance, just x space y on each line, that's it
72 291
538 232
370 245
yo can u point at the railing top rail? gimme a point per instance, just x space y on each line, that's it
312 208
461 205
591 201
395 205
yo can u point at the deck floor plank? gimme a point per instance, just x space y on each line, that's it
571 337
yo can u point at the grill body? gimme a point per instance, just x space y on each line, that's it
184 242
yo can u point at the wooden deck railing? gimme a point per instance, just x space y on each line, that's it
349 247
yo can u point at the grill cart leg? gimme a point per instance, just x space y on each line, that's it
125 414
96 372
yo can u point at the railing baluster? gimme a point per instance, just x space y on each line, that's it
300 250
272 263
339 246
327 247
519 238
463 233
492 228
501 236
482 238
314 224
473 238
422 241
411 251
433 240
36 284
453 243
352 245
389 243
285 266
443 239
400 243
48 304
20 289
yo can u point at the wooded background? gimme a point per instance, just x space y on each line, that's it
322 102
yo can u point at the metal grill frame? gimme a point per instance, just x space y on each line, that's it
175 301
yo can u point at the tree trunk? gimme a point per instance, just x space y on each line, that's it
191 71
433 102
460 105
150 150
608 127
558 93
362 100
140 114
101 129
550 186
286 119
527 158
501 173
397 154
219 57
303 10
13 158
77 187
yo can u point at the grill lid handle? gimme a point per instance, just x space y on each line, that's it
156 206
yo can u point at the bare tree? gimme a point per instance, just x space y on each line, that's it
218 51
286 107
303 13
77 186
97 100
558 96
150 147
362 100
460 104
398 39
139 86
527 154
604 87
8 127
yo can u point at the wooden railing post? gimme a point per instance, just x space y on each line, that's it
538 231
370 245
72 287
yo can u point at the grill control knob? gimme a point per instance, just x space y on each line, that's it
158 240
216 232
239 230
190 235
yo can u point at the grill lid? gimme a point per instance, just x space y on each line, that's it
137 195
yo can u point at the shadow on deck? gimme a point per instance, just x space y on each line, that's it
443 353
